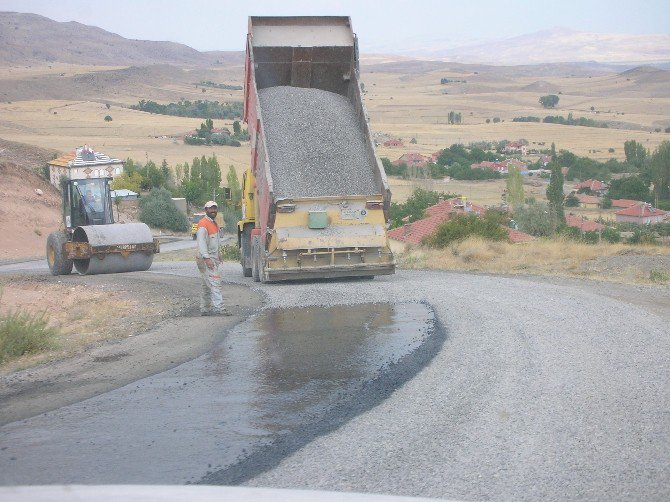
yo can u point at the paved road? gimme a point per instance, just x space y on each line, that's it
535 390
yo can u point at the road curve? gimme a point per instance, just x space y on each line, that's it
541 389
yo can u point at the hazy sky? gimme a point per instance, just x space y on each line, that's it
391 25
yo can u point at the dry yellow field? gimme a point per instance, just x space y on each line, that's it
417 108
400 104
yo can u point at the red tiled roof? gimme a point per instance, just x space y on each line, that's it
413 233
641 210
64 160
625 202
517 236
583 224
454 205
587 199
594 185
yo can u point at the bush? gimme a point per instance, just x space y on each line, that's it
463 226
24 333
108 118
533 219
642 236
159 211
415 206
611 235
571 201
231 215
230 252
44 172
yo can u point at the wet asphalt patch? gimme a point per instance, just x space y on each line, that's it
276 382
360 372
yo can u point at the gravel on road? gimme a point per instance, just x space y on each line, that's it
315 144
540 391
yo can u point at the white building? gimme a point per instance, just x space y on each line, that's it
84 163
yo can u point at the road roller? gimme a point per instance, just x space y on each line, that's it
90 241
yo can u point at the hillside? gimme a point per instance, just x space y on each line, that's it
558 45
30 38
26 217
141 82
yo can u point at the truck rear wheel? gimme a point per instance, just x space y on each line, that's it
256 259
58 264
245 251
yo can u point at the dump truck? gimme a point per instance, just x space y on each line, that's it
89 239
315 198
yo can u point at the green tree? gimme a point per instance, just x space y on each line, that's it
635 153
234 186
132 182
555 196
130 167
108 118
166 172
571 201
191 191
515 195
631 187
660 171
415 206
549 101
153 177
237 130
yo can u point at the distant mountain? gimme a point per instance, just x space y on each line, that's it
555 46
34 39
30 38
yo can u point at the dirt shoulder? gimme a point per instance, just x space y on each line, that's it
125 330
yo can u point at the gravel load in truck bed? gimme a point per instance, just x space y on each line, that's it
315 144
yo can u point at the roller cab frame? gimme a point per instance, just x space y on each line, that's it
89 235
308 237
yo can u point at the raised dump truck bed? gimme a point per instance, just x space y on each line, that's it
316 198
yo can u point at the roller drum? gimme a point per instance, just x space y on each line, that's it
114 235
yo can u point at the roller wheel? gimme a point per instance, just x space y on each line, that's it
245 251
58 264
256 259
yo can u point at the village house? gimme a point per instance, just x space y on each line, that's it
414 233
516 147
624 203
502 166
517 164
83 163
393 143
412 160
588 201
641 213
582 223
595 186
497 166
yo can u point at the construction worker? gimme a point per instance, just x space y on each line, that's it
209 262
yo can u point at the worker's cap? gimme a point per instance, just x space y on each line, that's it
209 204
